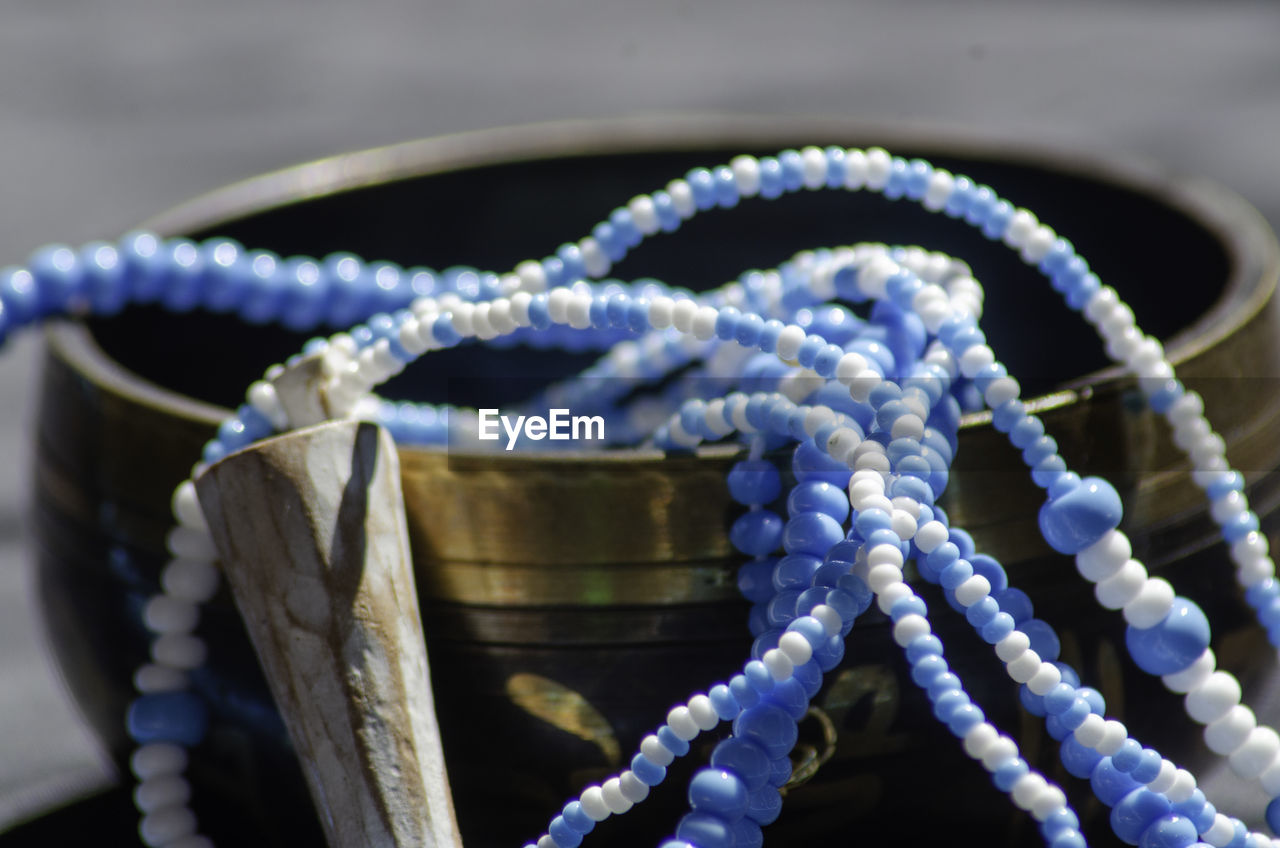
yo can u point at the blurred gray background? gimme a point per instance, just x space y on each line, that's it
110 112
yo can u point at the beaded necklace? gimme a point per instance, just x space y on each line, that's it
874 416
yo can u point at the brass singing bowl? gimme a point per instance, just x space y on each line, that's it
570 599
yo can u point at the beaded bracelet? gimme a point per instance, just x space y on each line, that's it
360 359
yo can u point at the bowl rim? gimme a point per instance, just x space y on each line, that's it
1251 246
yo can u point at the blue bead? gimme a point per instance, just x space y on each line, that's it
649 773
754 481
1060 697
757 533
743 692
1016 603
1128 757
755 580
980 614
671 741
911 605
576 818
1031 702
1148 767
923 646
818 496
1169 831
1055 728
998 220
831 653
1079 518
1109 784
704 188
178 717
744 758
1008 772
812 533
795 571
1273 815
769 726
1044 641
1173 644
723 702
1239 527
926 669
1068 839
747 834
1078 760
1049 471
809 676
1061 819
964 718
59 277
779 772
945 704
792 170
770 178
1093 698
939 558
790 694
764 805
1135 812
809 462
718 791
955 574
564 835
998 628
705 830
781 610
1074 715
1199 810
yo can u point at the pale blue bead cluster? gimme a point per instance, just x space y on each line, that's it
876 425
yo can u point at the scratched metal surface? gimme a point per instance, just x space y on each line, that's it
111 112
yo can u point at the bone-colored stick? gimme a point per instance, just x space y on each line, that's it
311 531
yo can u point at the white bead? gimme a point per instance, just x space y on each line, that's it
878 164
1113 735
1220 832
633 788
592 802
661 309
546 841
163 791
1228 507
193 580
1226 734
1021 225
903 522
815 419
1256 753
715 419
941 184
979 738
1184 784
411 337
909 628
533 277
1026 789
483 328
828 618
682 314
1123 586
1043 681
1024 666
703 714
167 614
973 590
929 536
654 751
159 678
643 214
855 169
594 260
1153 603
1047 802
1270 778
557 306
779 664
179 650
885 554
1213 698
875 274
813 162
262 397
891 594
520 308
746 173
861 386
186 506
1001 390
190 543
1193 676
167 824
1039 244
460 317
1104 557
796 648
682 198
157 759
577 311
681 723
882 576
1012 646
613 797
1091 730
1000 751
704 323
789 341
681 436
192 841
500 316
975 358
849 366
909 426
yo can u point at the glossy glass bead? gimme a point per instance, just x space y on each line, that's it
1076 520
1135 812
179 717
757 533
1173 644
1109 784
